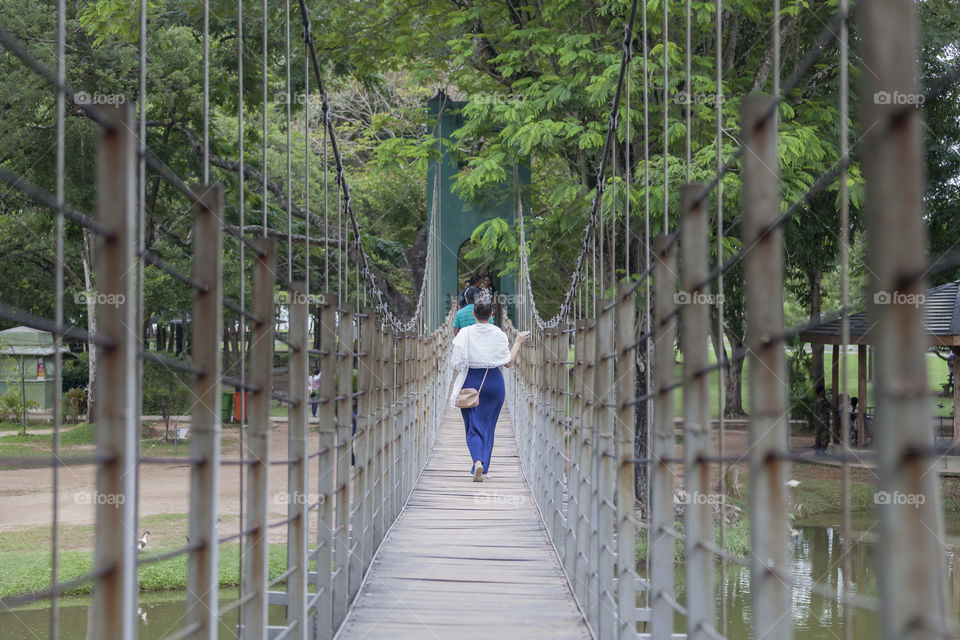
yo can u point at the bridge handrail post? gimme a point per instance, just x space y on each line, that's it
326 467
297 487
570 555
662 444
912 575
626 365
604 417
593 473
557 413
258 442
205 427
114 592
342 534
695 327
763 275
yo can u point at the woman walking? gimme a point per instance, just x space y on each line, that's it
479 351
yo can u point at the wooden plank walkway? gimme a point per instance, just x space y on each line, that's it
466 559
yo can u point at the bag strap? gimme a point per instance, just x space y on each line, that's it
485 372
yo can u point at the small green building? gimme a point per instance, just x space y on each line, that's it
31 351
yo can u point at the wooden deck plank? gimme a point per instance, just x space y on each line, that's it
465 559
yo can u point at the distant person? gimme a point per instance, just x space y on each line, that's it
486 289
822 419
478 353
313 386
465 316
471 282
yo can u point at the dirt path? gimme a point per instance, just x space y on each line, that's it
26 495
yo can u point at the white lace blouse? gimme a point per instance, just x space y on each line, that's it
480 345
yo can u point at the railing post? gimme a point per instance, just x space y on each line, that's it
361 523
912 579
605 474
592 476
326 473
297 491
763 274
114 593
205 427
695 327
580 576
626 360
258 443
341 550
326 466
396 437
661 485
571 555
558 436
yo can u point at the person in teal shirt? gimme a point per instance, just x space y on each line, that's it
464 317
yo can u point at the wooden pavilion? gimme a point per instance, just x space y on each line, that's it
941 317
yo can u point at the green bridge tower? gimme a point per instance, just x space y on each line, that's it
458 218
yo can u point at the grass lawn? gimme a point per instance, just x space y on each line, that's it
25 557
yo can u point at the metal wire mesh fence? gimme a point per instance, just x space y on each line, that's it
575 398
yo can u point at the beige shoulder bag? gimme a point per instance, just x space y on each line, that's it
470 398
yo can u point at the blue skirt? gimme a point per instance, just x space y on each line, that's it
481 420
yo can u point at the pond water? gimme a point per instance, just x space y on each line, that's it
816 556
160 614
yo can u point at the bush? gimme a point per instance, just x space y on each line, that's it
76 371
162 386
74 404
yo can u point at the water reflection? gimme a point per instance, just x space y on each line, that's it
817 556
158 616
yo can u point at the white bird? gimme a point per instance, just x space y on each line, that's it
793 483
142 542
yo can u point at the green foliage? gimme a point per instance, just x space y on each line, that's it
76 372
160 385
74 403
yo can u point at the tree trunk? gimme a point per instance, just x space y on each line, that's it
642 422
733 381
89 282
814 277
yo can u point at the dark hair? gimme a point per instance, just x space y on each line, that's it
470 295
316 371
474 279
483 309
854 401
819 389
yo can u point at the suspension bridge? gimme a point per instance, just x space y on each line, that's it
384 534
